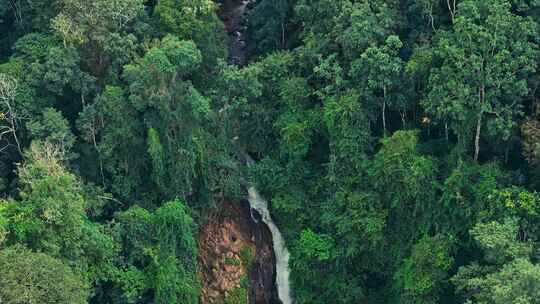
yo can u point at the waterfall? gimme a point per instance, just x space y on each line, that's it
233 14
258 203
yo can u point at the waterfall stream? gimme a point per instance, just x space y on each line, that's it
258 203
234 16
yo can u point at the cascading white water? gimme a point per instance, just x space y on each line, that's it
258 203
234 15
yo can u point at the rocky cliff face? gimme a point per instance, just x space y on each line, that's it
236 259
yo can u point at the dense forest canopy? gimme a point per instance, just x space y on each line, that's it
398 142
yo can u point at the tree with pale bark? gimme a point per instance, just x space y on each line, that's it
485 61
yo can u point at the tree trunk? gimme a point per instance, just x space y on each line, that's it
13 123
431 19
477 137
451 9
481 100
384 110
446 130
384 116
283 34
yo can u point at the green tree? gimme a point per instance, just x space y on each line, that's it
380 68
269 27
133 231
348 132
160 247
466 196
399 166
484 64
52 127
507 274
423 275
160 91
33 277
157 155
62 72
96 26
195 20
50 215
297 124
101 124
366 25
176 257
312 259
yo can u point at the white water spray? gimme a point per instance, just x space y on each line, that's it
234 14
257 202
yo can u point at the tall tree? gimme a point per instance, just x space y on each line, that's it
379 69
268 27
91 25
484 64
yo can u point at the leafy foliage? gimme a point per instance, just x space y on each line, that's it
30 277
396 140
